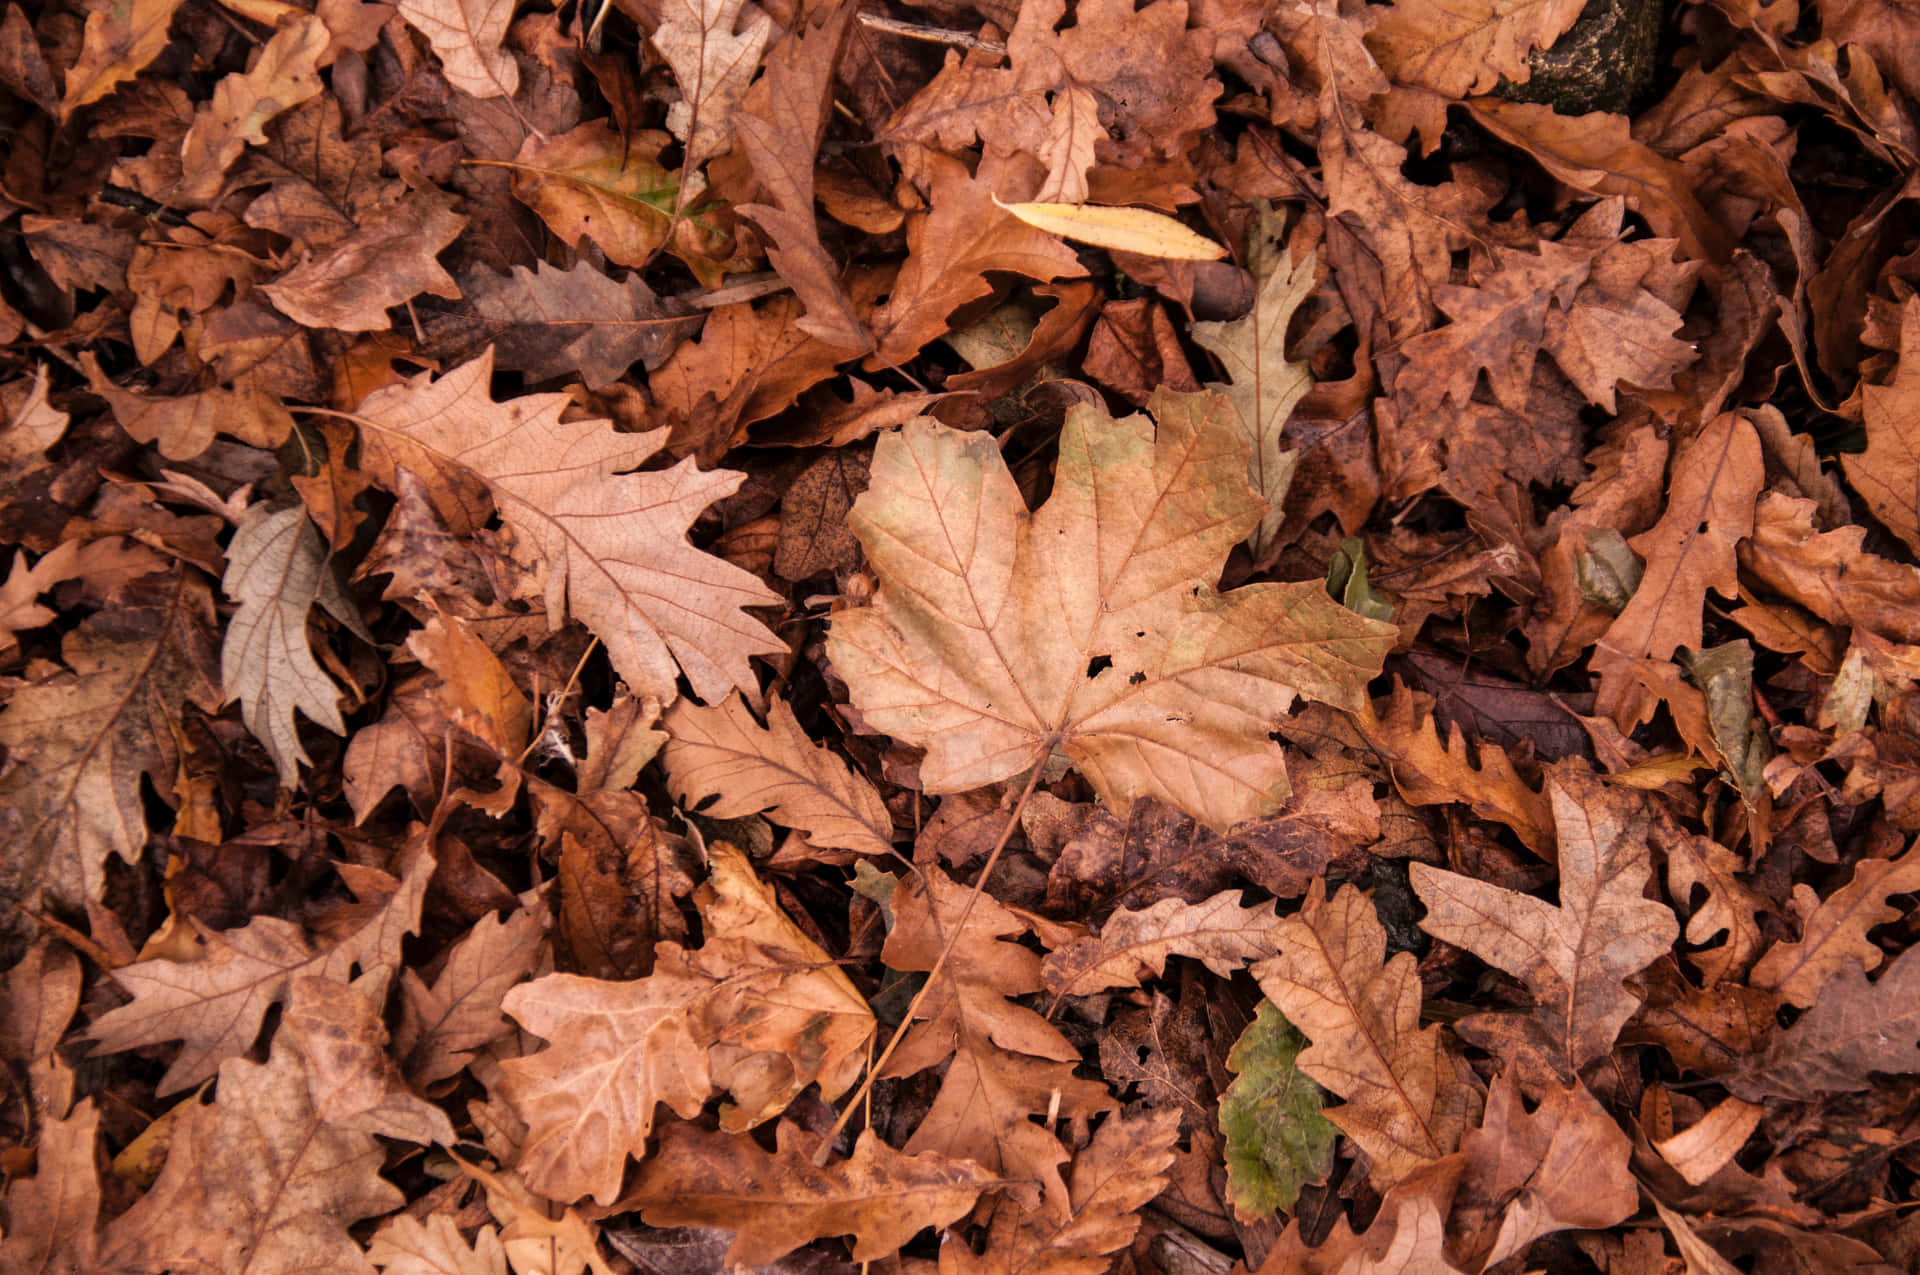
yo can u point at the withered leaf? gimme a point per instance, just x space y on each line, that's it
1458 49
611 543
388 260
714 49
117 45
1574 956
285 75
1000 636
1833 932
775 1203
1134 946
404 1245
721 751
550 323
1407 1096
467 35
215 1003
1887 473
1854 1028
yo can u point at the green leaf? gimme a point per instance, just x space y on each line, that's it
1277 1140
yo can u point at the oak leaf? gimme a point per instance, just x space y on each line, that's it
467 35
1710 509
611 543
1731 905
1264 386
214 1004
760 1010
1460 48
949 250
80 743
1829 572
1277 1140
1123 1168
713 47
284 75
1573 957
1407 1096
276 571
404 1245
1135 946
1854 1028
999 637
1887 473
777 1202
52 1215
552 323
1833 931
443 1023
388 260
722 751
594 183
117 44
1008 1065
259 1183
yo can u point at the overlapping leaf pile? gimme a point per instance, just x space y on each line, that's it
609 664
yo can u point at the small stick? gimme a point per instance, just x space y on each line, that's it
932 35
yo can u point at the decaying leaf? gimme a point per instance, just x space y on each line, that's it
1000 637
1134 946
467 35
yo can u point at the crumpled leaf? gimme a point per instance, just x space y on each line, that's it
1853 1029
759 1010
276 571
118 43
611 543
1467 46
1000 637
1573 957
214 1004
722 751
1277 1140
1887 473
776 1202
404 1245
386 261
1135 946
284 75
551 323
1407 1096
467 35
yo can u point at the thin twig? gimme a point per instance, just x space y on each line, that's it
932 35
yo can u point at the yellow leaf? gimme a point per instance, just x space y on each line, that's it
1137 230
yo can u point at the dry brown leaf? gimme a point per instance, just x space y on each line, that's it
215 1003
999 637
442 1024
774 1203
1833 932
1887 473
117 45
611 544
404 1245
276 571
1731 908
1408 1098
1854 1028
714 49
387 260
759 1010
1123 1168
1461 48
260 1182
285 74
1573 957
552 323
81 742
1710 509
1829 572
53 1214
350 1077
1008 1064
1135 946
722 751
467 35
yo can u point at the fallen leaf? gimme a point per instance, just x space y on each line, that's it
1887 473
1853 1029
1140 231
552 323
284 75
774 1203
117 45
1135 946
53 1215
388 260
714 48
404 1245
1573 957
1407 1096
215 1003
999 637
721 751
611 543
276 571
1833 931
1277 1140
467 35
443 1023
1462 48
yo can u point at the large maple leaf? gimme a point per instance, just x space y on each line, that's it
612 543
999 636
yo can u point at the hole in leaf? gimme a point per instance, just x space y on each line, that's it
1098 665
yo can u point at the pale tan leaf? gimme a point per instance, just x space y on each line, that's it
52 1215
611 543
1466 46
999 637
714 49
1134 946
1833 932
467 35
214 1004
1573 957
286 73
722 751
776 1202
406 1246
1710 1143
1135 230
275 567
1406 1101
